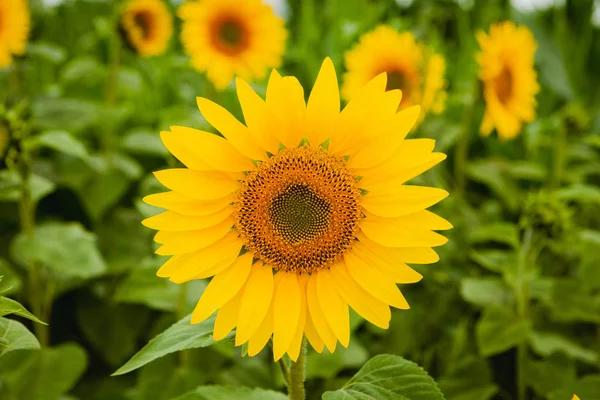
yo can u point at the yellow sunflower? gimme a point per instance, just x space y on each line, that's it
509 78
575 397
299 213
410 67
14 28
228 38
148 26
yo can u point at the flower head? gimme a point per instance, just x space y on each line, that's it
228 38
410 67
299 214
14 28
148 26
509 79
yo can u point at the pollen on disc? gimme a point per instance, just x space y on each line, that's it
298 211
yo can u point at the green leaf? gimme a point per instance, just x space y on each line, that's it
59 140
580 192
17 336
468 378
166 379
231 393
43 374
493 174
494 260
501 232
550 374
103 192
40 187
499 330
180 336
72 115
388 377
49 51
11 186
486 292
547 343
66 248
144 141
568 302
327 365
11 281
10 306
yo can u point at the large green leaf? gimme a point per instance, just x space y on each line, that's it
11 186
501 232
180 336
547 343
17 336
486 292
62 141
42 374
388 377
499 330
231 393
10 306
66 248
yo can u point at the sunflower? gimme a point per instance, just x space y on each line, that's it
575 397
299 213
14 28
509 79
410 67
228 38
147 25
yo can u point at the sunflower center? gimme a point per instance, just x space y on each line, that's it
144 20
397 80
230 36
299 214
504 85
298 211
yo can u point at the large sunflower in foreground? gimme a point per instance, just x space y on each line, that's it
228 38
14 28
509 78
148 26
300 213
410 67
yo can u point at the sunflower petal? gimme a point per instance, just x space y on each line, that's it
188 241
227 317
294 349
395 201
257 116
185 205
396 271
323 105
255 302
286 103
286 313
414 255
223 288
172 221
239 135
318 319
335 310
200 185
309 328
374 282
388 233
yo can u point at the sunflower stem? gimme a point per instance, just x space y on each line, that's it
560 144
297 374
285 371
525 263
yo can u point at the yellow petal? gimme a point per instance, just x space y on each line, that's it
397 271
335 310
374 282
184 153
222 288
309 327
188 241
213 150
255 302
261 337
227 317
185 205
382 146
323 105
210 260
288 109
172 264
390 232
294 349
172 221
200 185
316 314
286 313
395 201
365 305
257 116
239 135
409 255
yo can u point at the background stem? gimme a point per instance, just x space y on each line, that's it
560 144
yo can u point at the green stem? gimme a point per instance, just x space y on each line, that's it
560 148
37 292
462 150
285 371
297 374
15 79
523 295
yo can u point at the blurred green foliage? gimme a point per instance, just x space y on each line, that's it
518 284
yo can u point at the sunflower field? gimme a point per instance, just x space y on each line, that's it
301 199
